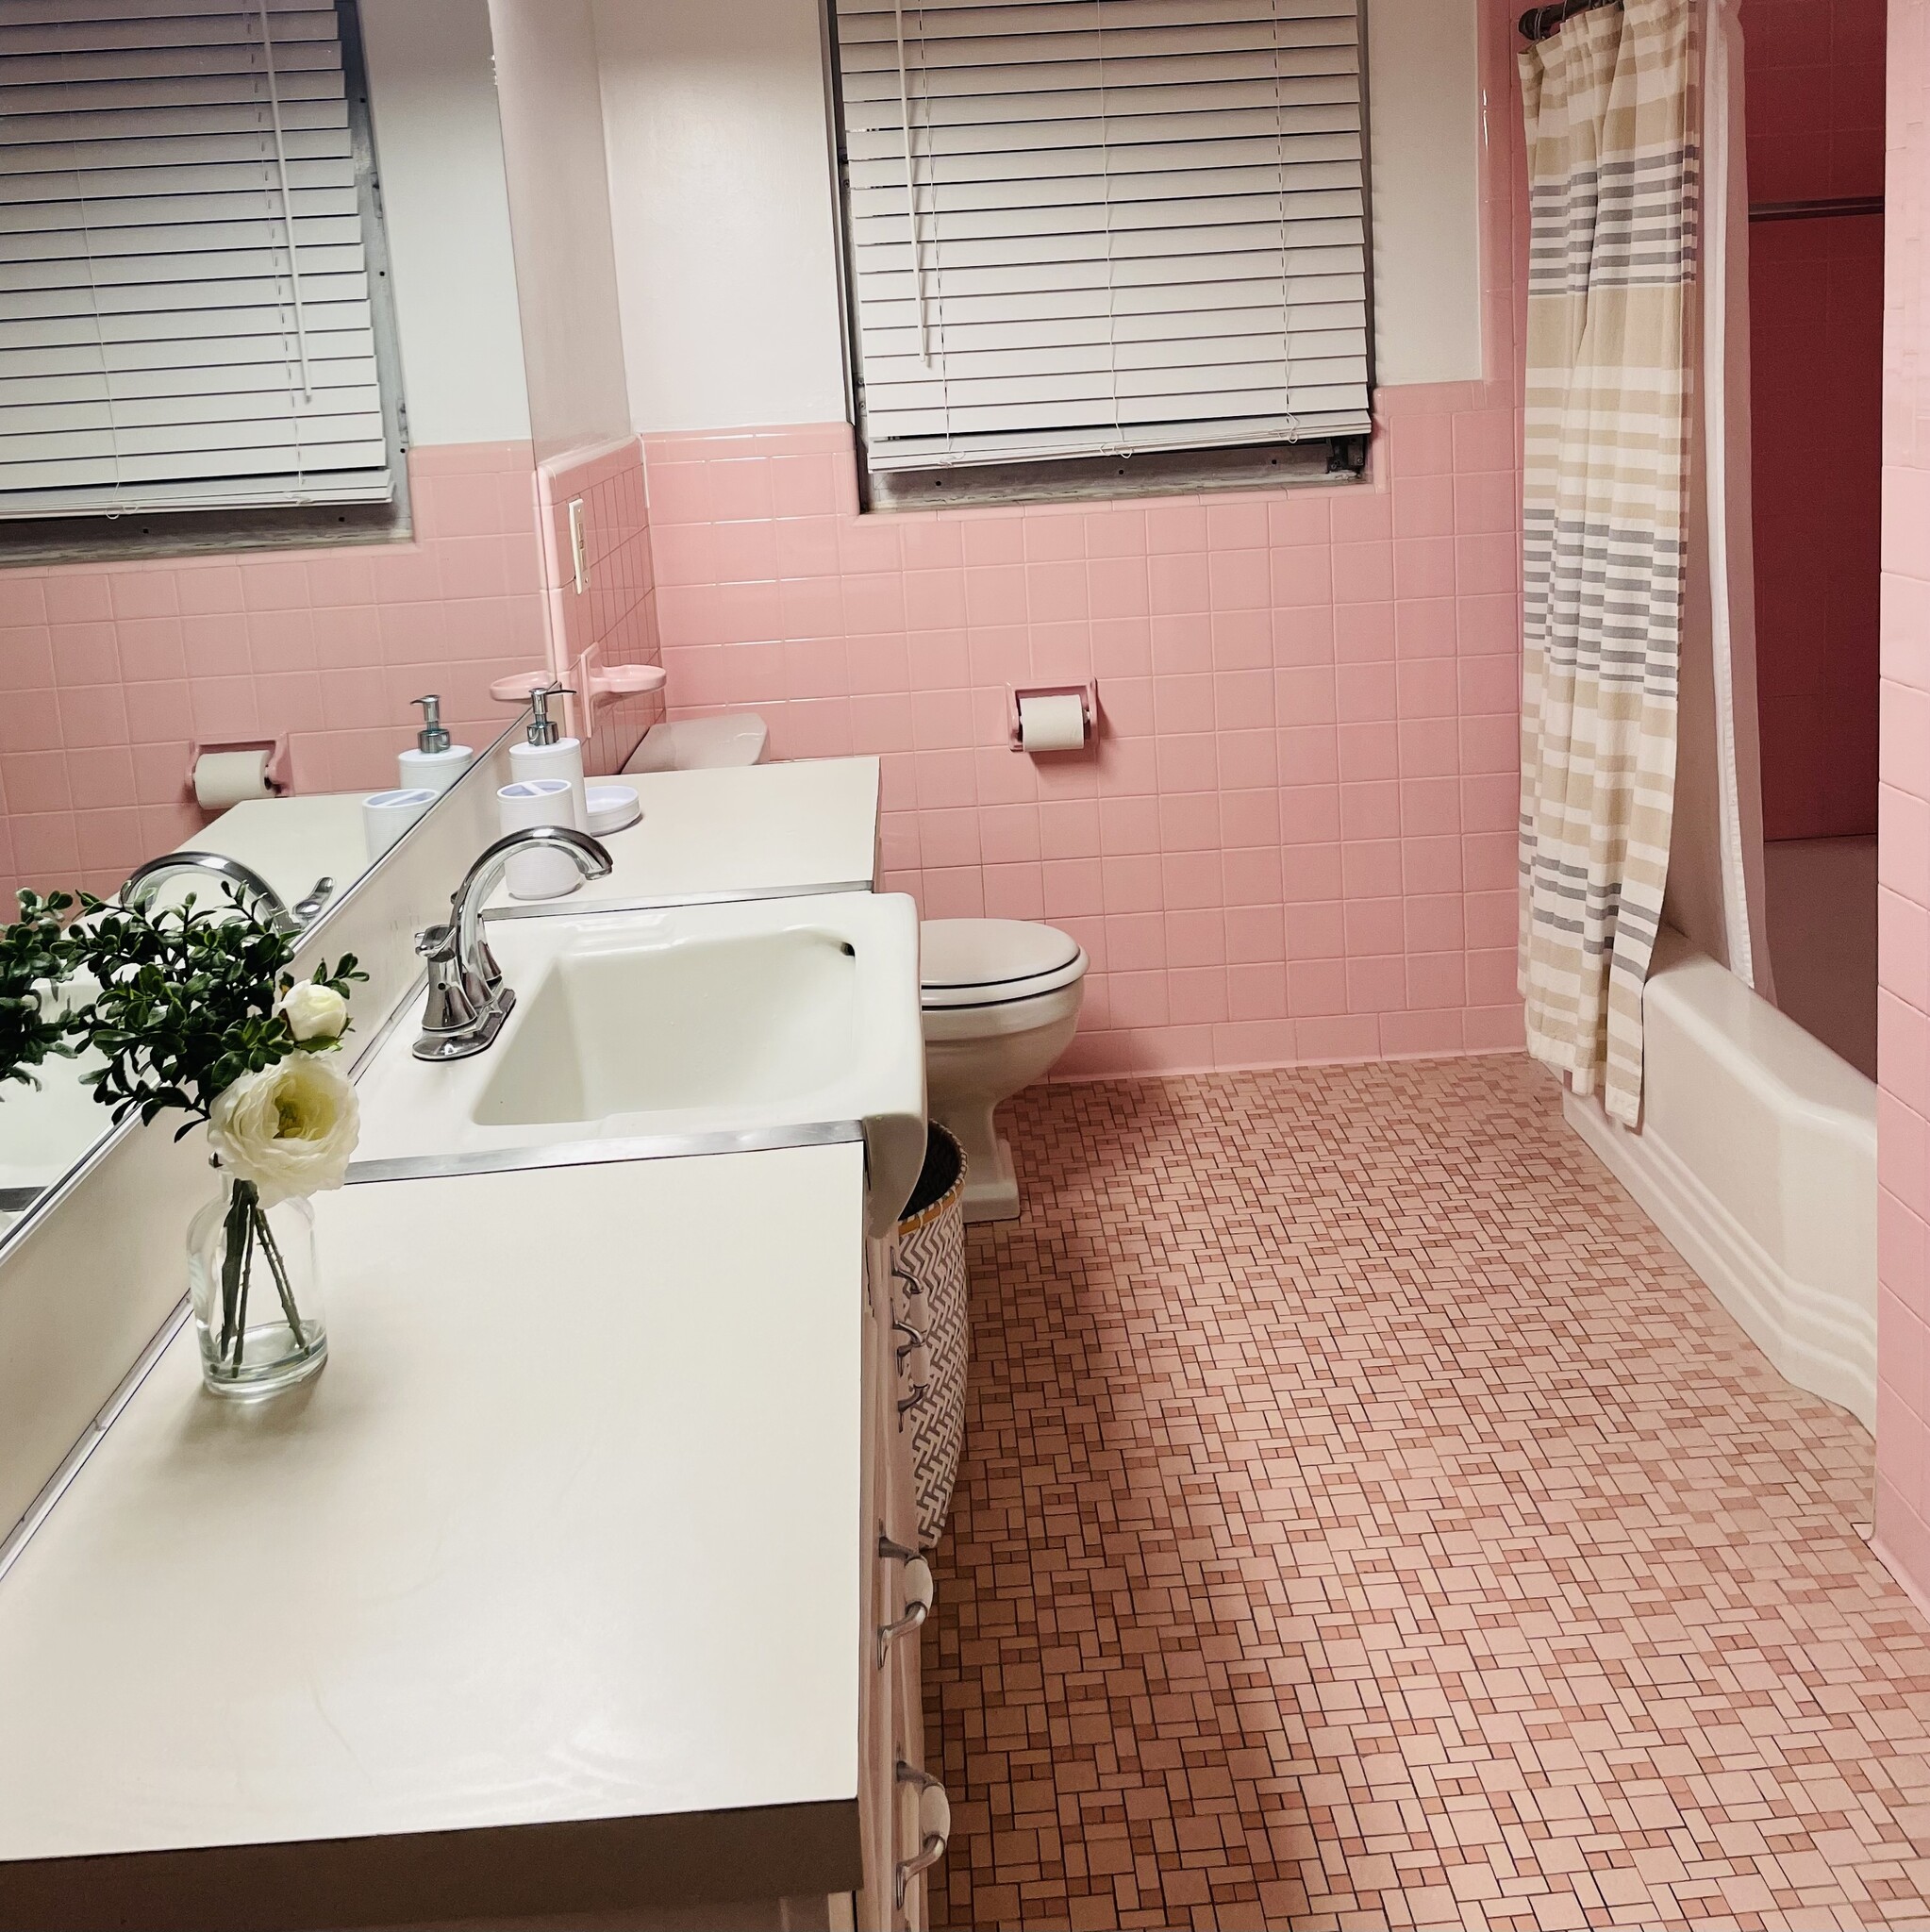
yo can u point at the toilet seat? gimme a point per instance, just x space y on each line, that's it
1034 1013
993 962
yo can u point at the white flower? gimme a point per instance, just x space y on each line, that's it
313 1012
290 1129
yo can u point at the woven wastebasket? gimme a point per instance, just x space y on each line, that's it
931 1305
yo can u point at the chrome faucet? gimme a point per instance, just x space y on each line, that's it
468 1000
144 881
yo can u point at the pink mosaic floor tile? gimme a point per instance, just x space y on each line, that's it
1366 1521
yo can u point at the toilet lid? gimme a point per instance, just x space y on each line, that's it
983 963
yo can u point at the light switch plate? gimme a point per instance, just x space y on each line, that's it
578 564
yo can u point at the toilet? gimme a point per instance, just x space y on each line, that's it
1001 1000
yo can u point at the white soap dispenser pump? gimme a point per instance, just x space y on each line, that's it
546 754
435 764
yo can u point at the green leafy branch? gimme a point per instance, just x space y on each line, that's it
187 1001
37 955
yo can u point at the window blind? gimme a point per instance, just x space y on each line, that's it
1090 226
185 317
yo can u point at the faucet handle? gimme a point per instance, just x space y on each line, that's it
450 1009
305 912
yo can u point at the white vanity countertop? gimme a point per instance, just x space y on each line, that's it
745 831
567 1530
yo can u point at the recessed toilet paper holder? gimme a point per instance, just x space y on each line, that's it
276 748
1087 695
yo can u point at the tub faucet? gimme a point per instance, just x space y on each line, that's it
468 1000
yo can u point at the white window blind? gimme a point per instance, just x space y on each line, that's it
1088 226
185 315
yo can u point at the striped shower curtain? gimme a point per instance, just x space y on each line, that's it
1612 169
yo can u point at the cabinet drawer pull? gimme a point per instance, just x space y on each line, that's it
934 1826
921 1593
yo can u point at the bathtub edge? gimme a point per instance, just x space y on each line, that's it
1797 1327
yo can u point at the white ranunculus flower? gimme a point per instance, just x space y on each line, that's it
290 1129
313 1012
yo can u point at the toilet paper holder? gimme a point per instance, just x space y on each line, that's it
1086 693
276 748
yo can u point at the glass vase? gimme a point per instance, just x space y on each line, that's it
255 1293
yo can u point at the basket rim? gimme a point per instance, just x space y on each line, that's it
949 1199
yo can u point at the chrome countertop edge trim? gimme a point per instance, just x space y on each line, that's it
416 1167
552 909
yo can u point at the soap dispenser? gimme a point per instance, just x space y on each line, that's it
546 754
435 764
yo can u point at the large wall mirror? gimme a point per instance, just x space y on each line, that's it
268 451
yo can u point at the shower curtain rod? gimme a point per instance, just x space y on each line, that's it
1541 22
1816 210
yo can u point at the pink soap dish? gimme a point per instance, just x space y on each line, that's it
604 681
626 680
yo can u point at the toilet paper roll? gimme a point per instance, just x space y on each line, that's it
1051 724
536 873
386 815
223 778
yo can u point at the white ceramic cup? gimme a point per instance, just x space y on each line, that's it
536 873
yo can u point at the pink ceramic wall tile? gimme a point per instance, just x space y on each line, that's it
111 672
612 621
1816 112
1903 1434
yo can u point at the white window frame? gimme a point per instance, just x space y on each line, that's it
161 529
899 470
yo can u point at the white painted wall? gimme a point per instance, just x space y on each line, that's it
559 214
723 202
1424 111
432 93
723 209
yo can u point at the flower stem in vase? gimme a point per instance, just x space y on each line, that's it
234 1265
278 1268
247 1276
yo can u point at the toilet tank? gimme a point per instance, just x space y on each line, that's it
696 745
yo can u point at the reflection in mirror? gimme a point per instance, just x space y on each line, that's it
266 476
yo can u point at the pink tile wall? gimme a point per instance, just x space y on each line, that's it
612 621
1295 838
1815 97
1815 74
108 674
1903 1339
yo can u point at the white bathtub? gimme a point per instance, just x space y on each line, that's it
1757 1158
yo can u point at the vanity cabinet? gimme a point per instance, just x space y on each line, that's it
891 1713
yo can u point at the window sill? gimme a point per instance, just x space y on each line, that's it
140 536
1090 479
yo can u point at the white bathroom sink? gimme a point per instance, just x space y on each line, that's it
739 1020
752 1023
